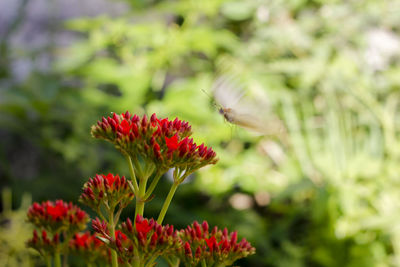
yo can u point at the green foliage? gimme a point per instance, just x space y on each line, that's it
13 233
334 183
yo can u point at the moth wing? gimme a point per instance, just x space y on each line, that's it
258 121
226 92
253 113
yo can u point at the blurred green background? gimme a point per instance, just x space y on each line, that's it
324 192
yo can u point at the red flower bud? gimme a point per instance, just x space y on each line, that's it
234 238
144 121
115 118
135 119
153 240
129 225
153 119
198 253
197 229
188 250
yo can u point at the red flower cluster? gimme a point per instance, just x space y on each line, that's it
58 216
109 190
43 243
85 241
215 248
89 247
146 238
166 143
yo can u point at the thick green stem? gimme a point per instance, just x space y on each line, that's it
57 259
114 257
133 176
140 198
167 202
136 264
203 263
48 260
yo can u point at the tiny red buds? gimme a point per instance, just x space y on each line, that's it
54 218
109 190
147 238
161 142
215 248
89 247
57 216
188 250
43 244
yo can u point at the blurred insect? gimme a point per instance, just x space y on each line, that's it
239 110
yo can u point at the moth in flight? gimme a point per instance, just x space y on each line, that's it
252 114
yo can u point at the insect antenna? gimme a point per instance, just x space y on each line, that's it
214 103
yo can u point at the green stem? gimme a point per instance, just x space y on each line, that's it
48 260
151 260
136 264
138 168
167 202
98 211
57 259
65 248
114 257
174 263
133 176
203 263
153 184
141 197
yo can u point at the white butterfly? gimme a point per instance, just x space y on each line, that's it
239 110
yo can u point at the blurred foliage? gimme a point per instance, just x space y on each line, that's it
329 70
13 232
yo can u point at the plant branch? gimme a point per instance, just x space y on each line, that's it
133 176
167 202
153 184
114 257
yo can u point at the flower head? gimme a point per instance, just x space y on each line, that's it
89 247
146 237
58 216
165 143
44 242
151 237
110 190
85 241
215 247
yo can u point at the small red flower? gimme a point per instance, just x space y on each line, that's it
125 127
211 242
110 178
57 211
143 227
172 143
120 235
81 240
